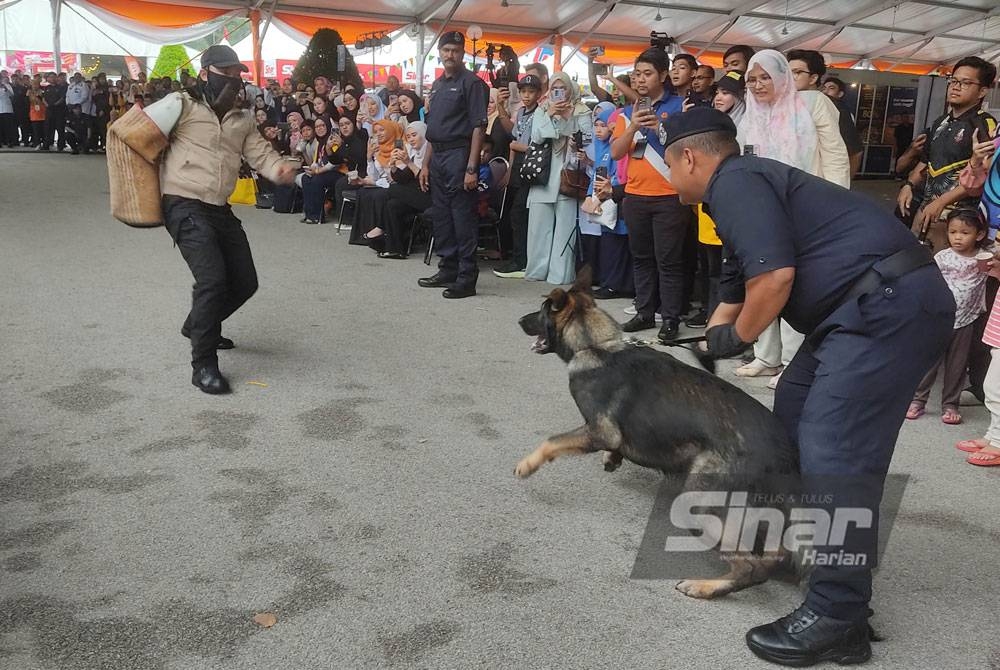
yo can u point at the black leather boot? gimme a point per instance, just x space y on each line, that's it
805 638
210 380
440 278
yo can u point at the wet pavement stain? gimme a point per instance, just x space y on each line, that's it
25 562
336 420
484 425
167 444
36 535
453 400
411 645
50 483
262 494
491 572
226 430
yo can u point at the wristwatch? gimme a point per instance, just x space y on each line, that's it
471 170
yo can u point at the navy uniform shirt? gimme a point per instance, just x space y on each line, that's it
457 107
771 216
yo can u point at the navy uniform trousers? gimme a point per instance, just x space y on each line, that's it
213 243
456 226
843 399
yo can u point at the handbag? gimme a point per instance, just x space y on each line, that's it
245 192
574 183
601 212
537 164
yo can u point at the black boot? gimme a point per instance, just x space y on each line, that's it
210 380
637 323
805 638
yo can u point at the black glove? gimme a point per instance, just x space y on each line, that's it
723 341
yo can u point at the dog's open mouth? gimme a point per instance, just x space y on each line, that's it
540 345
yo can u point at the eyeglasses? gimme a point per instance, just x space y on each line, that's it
701 77
962 83
754 81
798 73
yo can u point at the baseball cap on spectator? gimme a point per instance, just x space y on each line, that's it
530 81
733 83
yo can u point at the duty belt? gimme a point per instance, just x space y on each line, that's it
447 146
886 270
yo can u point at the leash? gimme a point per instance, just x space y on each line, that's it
704 359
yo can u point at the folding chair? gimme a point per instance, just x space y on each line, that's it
351 197
499 167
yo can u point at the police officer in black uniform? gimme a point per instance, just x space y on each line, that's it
876 314
456 122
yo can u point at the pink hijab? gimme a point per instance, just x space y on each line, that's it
784 129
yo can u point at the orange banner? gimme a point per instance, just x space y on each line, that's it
159 14
349 30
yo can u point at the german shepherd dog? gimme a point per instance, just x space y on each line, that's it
646 406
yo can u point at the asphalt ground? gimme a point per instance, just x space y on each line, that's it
358 482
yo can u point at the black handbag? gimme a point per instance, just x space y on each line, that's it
537 164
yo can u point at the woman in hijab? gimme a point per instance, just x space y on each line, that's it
590 231
372 110
411 107
350 107
405 199
371 200
798 130
552 243
294 128
609 254
351 155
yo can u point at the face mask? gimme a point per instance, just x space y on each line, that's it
221 91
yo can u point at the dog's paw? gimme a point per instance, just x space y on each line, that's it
611 460
524 468
705 588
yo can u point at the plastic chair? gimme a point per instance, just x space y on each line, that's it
351 197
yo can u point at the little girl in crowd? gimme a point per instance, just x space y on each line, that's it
966 278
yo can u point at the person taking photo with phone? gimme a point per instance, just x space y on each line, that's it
656 220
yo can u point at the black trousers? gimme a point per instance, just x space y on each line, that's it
38 133
519 225
842 400
657 230
8 130
314 192
212 241
55 122
615 262
456 226
712 253
405 201
98 130
23 124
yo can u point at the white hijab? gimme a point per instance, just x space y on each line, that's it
783 129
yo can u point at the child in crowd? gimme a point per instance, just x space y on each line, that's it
966 278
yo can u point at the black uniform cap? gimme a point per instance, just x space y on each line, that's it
452 37
695 122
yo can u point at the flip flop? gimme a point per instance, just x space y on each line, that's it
951 417
984 460
970 446
915 411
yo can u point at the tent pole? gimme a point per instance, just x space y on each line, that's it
56 51
267 21
557 46
258 64
421 56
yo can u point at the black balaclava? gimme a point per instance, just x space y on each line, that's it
221 91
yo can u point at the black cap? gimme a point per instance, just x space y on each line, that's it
530 81
221 55
695 122
452 37
733 83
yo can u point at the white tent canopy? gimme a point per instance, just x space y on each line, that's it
917 31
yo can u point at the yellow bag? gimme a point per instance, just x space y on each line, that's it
245 192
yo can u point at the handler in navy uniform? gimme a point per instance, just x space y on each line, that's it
876 314
456 122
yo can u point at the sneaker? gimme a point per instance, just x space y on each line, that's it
756 368
630 310
509 271
699 320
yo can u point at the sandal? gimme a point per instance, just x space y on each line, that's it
984 460
951 417
915 411
972 446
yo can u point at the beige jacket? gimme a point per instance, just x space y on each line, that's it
831 161
203 159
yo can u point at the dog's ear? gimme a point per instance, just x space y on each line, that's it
558 299
584 279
